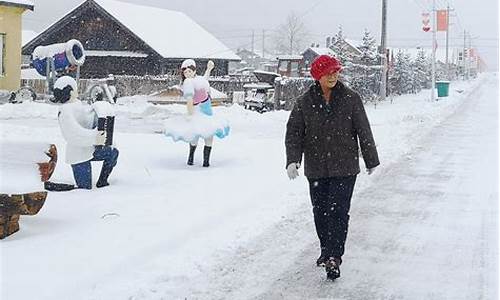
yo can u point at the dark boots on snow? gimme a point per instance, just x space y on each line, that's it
321 261
332 267
206 156
192 149
103 177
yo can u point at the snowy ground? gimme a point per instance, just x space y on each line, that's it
424 226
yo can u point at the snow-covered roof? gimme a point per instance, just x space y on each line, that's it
290 57
170 33
260 85
114 53
354 44
20 3
322 51
267 72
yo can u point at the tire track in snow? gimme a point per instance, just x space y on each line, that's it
421 230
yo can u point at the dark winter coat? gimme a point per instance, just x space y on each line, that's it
328 134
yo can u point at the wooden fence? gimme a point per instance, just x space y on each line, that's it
286 89
144 85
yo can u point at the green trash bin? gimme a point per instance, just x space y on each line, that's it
443 88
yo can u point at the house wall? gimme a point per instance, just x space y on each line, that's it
97 31
101 67
10 25
309 56
172 66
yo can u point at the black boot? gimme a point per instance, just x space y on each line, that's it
321 261
206 156
191 154
332 267
103 177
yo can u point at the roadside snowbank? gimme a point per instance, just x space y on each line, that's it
161 224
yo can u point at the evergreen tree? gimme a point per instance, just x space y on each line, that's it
369 55
338 45
422 70
366 77
402 75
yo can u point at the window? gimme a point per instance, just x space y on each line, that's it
295 69
283 66
2 54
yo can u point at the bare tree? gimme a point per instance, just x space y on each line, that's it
290 38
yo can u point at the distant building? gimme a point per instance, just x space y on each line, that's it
250 60
353 46
10 42
350 46
129 39
312 52
291 65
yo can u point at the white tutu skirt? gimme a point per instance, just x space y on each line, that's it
190 128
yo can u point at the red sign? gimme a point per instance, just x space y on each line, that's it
442 20
426 22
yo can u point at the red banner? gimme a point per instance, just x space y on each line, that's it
442 20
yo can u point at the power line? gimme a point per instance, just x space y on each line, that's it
455 38
234 37
311 8
420 5
259 40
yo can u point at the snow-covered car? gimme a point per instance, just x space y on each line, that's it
259 96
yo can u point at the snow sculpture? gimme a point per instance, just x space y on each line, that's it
200 121
25 168
84 143
64 56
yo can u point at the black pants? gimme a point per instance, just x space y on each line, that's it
331 200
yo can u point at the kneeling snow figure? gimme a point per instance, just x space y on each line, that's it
84 141
200 121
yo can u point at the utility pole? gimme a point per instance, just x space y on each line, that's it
383 51
463 56
469 60
434 28
263 45
253 48
447 40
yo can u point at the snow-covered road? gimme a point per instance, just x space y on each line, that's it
423 226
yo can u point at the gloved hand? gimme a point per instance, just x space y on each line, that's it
100 139
210 67
293 170
371 170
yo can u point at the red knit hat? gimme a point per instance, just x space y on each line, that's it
324 65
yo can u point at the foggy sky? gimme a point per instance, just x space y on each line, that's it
233 21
